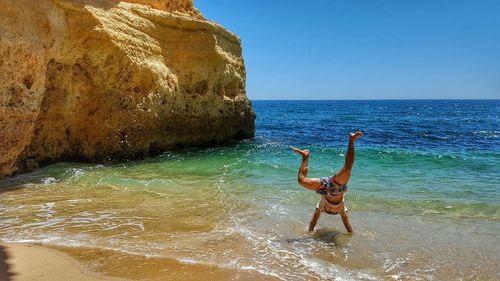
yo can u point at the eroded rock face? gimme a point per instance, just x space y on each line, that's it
99 80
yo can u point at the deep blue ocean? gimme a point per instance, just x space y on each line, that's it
421 125
423 198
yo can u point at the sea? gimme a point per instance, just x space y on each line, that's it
423 199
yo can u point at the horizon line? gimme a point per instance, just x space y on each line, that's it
409 99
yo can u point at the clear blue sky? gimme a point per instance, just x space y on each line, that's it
373 49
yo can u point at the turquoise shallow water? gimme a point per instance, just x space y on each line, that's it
424 197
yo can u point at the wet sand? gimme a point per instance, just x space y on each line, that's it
138 267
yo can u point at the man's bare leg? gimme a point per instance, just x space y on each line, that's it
343 176
309 183
345 220
314 219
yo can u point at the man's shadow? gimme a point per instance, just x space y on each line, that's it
5 275
328 235
331 235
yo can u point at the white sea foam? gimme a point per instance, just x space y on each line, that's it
49 180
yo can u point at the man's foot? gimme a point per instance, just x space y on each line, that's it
304 153
355 136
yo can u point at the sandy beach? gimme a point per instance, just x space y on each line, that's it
20 262
26 262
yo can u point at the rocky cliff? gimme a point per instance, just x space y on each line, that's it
96 80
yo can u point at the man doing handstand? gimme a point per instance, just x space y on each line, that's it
331 189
